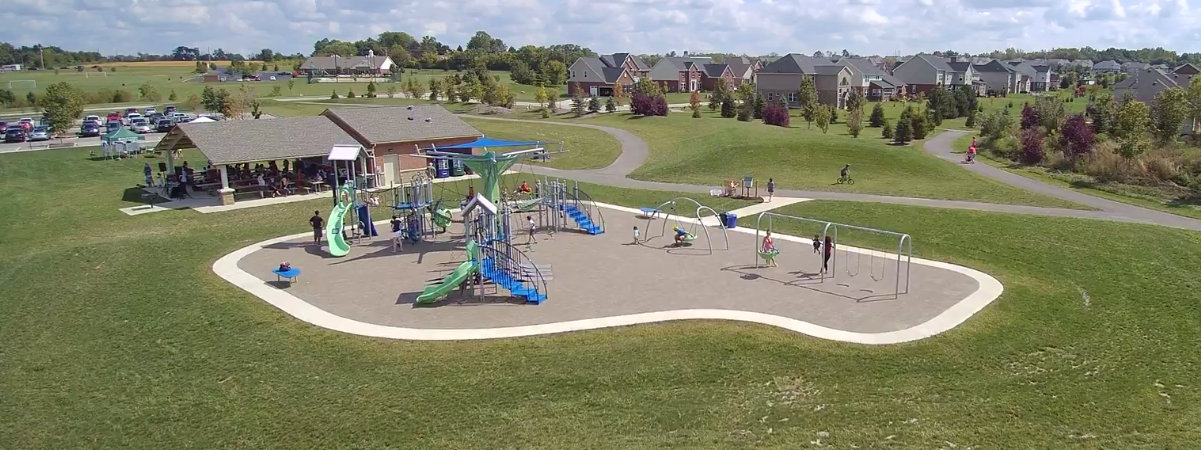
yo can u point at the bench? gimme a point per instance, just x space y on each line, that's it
649 212
290 274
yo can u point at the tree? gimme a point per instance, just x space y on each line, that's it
854 100
877 117
718 96
435 88
1076 137
1130 126
1101 112
745 110
594 104
855 121
541 97
610 105
477 90
7 98
391 91
807 99
942 105
1032 146
776 114
554 73
448 90
350 93
172 97
971 119
822 117
372 88
694 102
1030 117
520 72
193 102
727 107
1193 93
903 133
61 104
920 124
332 96
1169 110
759 105
886 132
1050 112
577 99
619 94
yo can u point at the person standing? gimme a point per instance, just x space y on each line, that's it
771 188
149 173
827 253
530 239
397 235
318 226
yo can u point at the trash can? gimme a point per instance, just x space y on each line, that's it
723 218
456 167
731 220
442 168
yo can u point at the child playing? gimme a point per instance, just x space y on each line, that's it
817 244
681 235
397 235
769 250
771 188
635 235
533 227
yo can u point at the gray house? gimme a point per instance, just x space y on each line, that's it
1026 76
878 84
782 79
924 73
1109 66
1145 84
1042 79
998 77
1134 66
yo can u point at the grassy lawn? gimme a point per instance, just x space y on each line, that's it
1145 197
114 333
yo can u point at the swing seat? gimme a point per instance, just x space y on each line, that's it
689 237
769 255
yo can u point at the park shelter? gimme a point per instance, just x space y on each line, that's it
391 133
230 142
202 119
121 134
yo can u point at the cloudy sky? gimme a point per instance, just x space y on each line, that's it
642 26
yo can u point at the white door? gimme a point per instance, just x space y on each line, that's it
391 164
592 91
691 85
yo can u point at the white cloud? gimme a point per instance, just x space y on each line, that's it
643 26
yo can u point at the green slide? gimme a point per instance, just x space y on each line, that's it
452 281
442 218
333 231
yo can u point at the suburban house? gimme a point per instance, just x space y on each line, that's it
597 75
782 79
1082 64
1145 84
1026 77
680 74
998 77
687 74
390 134
1134 66
1109 66
878 85
923 73
347 65
744 69
1042 79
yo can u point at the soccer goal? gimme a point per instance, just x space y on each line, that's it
33 82
89 74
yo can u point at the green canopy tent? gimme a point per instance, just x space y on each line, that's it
122 134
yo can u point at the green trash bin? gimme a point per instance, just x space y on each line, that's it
456 168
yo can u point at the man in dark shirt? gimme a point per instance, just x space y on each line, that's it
318 223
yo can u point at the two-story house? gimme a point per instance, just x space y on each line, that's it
781 79
877 84
1025 77
680 74
1145 84
744 69
597 75
1109 66
998 77
923 73
1134 66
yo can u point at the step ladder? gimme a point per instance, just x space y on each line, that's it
585 223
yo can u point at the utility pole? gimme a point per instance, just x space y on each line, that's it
41 57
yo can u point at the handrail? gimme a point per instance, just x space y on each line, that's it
511 262
591 207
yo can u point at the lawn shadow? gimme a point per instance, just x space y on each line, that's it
383 248
809 281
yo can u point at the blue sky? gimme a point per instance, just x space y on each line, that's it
641 26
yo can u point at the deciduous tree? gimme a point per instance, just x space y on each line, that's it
807 99
1130 125
1076 137
1168 113
822 117
61 104
619 94
694 102
855 121
1032 146
577 99
776 114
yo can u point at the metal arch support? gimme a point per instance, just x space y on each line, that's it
699 207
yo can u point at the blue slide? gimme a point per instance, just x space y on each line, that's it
365 223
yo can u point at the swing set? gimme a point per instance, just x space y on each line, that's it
904 253
690 228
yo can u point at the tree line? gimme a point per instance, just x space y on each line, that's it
1157 55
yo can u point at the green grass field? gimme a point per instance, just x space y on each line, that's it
114 333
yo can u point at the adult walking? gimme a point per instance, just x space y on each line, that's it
827 253
771 188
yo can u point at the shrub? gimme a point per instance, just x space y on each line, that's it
744 112
776 114
727 108
904 131
641 104
1076 136
659 105
350 93
122 96
333 96
1032 147
877 118
971 119
1030 118
886 133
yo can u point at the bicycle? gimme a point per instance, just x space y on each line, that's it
846 180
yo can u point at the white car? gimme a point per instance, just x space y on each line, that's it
133 117
140 126
92 117
151 111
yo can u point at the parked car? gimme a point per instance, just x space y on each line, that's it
14 133
39 134
140 126
114 125
150 111
164 125
133 117
91 117
114 116
3 125
169 109
130 111
26 123
90 129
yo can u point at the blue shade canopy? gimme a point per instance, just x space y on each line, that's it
489 142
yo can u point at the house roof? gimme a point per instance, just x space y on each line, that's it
616 59
1187 68
828 69
1024 69
239 141
1109 65
993 66
893 80
938 63
669 68
864 65
959 66
798 63
402 123
714 70
344 62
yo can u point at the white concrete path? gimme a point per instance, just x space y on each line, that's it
989 289
748 212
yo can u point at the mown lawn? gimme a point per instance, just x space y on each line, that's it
114 333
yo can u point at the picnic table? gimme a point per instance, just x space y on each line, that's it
290 274
649 212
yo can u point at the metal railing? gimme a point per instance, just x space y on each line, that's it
515 264
582 198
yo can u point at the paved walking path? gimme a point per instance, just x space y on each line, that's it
634 153
746 212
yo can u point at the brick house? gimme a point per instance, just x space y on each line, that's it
392 133
717 73
597 75
680 74
782 79
744 69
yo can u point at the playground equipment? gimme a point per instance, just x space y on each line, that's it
491 254
557 201
334 228
415 201
904 253
350 201
691 227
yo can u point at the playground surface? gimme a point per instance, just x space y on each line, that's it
607 277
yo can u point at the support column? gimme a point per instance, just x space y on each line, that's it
226 193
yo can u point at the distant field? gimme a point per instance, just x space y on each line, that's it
187 64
